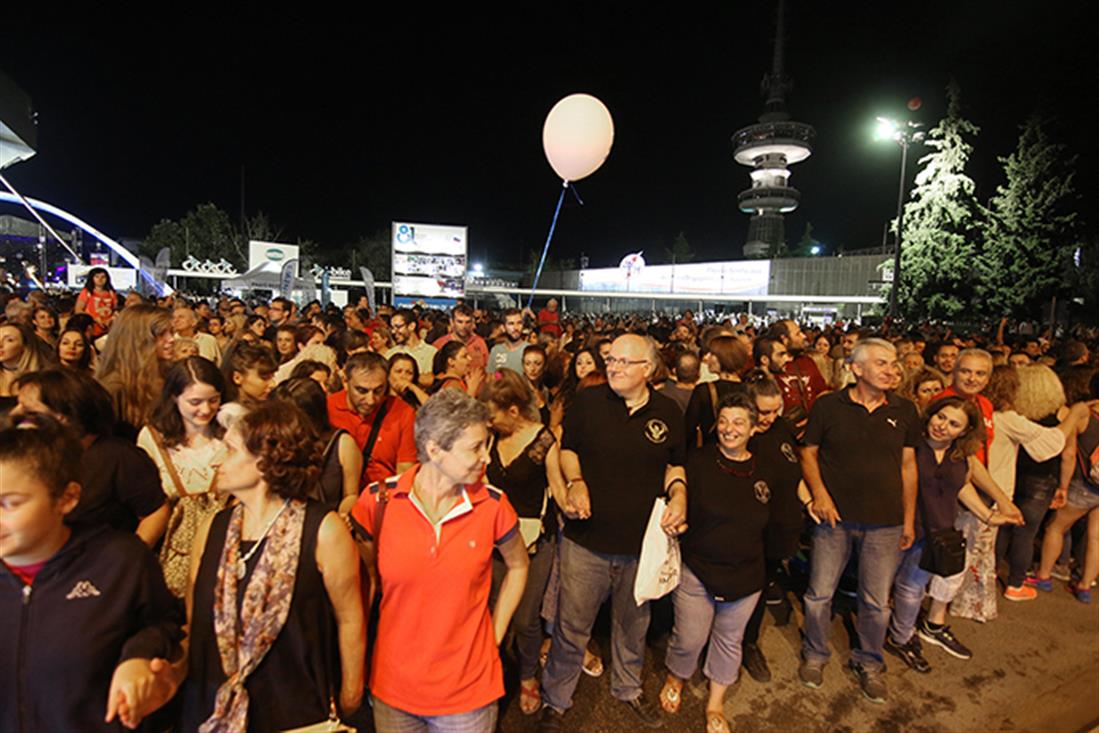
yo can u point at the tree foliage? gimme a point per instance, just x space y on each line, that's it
680 252
206 233
941 225
1030 228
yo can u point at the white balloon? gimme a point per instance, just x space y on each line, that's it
577 136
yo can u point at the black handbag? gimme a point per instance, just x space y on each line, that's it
943 553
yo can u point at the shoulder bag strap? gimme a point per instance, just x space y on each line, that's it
167 459
713 400
376 428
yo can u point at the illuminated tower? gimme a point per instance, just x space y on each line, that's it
769 146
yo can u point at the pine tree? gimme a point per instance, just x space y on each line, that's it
1030 232
940 223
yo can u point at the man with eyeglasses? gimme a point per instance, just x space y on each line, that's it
406 339
623 446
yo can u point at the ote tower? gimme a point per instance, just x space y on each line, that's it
769 146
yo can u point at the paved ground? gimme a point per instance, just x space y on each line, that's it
1036 668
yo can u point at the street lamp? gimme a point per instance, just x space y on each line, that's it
902 133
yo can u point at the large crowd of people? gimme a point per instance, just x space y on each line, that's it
228 516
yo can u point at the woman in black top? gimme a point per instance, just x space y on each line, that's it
723 552
524 463
774 443
730 356
953 431
337 487
275 609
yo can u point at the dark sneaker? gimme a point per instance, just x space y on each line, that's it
871 682
945 638
811 674
910 653
645 710
756 664
550 721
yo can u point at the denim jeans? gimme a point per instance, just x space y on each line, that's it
879 553
909 588
698 619
587 578
1015 545
388 719
526 623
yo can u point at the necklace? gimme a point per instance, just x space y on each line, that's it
242 562
736 468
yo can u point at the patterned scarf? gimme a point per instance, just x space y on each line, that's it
262 615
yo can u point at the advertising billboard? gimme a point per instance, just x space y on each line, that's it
429 260
261 252
740 277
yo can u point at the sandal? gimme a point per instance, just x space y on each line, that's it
593 665
530 696
671 695
716 722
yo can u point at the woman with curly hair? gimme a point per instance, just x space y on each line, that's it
131 366
277 632
921 385
585 363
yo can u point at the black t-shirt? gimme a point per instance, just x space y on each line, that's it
728 513
777 450
622 459
119 484
940 483
861 454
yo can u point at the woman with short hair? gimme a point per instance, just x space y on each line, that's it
724 568
436 659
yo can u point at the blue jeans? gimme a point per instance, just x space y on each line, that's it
388 719
1016 544
879 553
587 578
698 619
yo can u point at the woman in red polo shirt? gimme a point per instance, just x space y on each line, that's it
436 659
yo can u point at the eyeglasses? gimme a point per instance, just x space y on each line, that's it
612 361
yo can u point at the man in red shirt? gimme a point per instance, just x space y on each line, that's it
461 320
801 381
358 410
971 373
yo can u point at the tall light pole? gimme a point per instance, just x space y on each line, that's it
904 134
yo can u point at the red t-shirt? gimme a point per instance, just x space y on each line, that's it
548 321
396 441
801 384
100 306
985 406
436 652
27 573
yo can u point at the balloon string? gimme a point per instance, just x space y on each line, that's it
545 249
577 195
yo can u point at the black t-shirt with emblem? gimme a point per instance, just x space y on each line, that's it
728 514
861 453
622 458
777 451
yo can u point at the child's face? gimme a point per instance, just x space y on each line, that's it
30 519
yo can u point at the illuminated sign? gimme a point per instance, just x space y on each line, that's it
741 277
429 260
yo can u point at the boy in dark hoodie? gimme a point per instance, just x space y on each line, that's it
85 609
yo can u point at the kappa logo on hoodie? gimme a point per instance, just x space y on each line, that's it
83 589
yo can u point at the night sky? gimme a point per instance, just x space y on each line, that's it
345 123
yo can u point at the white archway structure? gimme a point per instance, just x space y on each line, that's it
116 247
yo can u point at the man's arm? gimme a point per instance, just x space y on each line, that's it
577 497
822 504
911 485
674 521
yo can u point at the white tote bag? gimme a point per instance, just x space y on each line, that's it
658 569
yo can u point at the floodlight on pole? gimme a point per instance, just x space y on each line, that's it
904 134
